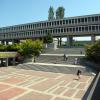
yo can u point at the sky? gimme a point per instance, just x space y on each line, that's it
13 12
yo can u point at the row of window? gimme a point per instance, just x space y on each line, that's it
52 23
52 31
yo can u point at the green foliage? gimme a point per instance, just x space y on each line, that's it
3 47
60 13
13 47
51 13
30 48
93 51
48 38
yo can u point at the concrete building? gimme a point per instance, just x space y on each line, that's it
88 25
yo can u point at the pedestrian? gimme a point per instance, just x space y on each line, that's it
80 52
64 57
78 74
76 61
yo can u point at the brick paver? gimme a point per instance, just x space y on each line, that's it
35 96
3 87
6 95
20 84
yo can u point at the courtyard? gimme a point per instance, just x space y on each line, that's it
22 84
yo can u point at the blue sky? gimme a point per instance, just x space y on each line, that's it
14 12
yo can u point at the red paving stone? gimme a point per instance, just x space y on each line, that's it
13 80
8 94
80 94
69 92
58 98
59 90
35 96
42 86
52 81
3 87
81 86
72 85
64 83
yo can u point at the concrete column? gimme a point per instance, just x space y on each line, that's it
70 40
13 61
2 42
93 38
55 42
60 41
1 61
6 62
7 42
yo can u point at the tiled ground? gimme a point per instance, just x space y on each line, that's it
20 84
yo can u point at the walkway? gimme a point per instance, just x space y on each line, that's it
21 84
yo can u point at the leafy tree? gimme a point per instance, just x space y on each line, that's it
60 13
48 38
30 48
51 13
93 51
13 47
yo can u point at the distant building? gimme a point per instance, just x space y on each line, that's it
88 25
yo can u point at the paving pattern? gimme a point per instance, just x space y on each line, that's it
21 84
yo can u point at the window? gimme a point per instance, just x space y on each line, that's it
96 18
86 28
62 30
82 20
79 20
79 28
93 28
63 21
92 19
69 21
89 19
72 20
66 21
75 20
85 19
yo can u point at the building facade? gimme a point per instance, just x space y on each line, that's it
88 25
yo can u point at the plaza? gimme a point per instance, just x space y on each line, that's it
22 84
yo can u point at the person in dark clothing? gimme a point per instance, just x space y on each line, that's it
64 57
79 73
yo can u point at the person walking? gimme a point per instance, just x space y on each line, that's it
78 74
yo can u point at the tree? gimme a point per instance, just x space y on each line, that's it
93 51
30 48
60 13
51 13
48 39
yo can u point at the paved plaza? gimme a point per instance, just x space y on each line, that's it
21 84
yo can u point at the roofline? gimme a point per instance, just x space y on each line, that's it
73 17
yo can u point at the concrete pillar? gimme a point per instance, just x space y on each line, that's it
70 40
93 38
13 61
55 42
60 41
7 42
1 61
2 42
6 62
